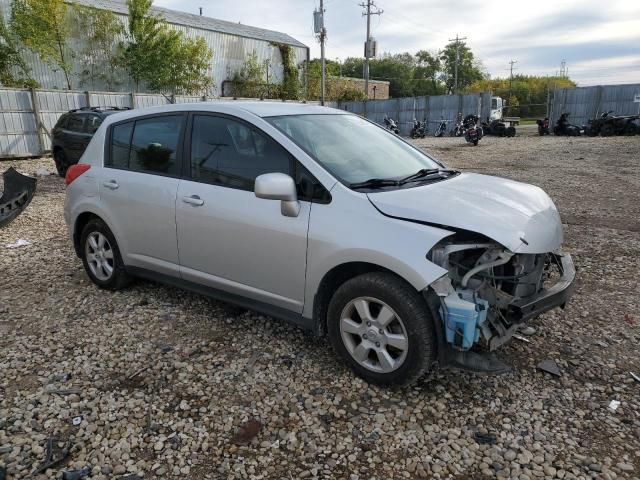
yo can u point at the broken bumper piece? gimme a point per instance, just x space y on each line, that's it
555 296
18 192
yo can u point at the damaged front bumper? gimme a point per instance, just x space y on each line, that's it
556 295
488 295
18 192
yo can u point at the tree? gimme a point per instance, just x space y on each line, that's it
163 58
426 74
14 71
98 29
43 27
469 69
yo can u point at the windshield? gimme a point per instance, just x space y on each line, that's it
353 149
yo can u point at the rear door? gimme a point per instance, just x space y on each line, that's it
228 238
138 187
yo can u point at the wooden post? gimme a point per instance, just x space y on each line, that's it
87 96
133 100
38 120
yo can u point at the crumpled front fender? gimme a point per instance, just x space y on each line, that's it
18 192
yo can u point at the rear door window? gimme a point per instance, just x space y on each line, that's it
150 145
75 123
93 122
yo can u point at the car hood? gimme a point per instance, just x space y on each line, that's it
519 216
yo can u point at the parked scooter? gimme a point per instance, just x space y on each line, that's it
472 131
441 128
543 126
419 129
458 128
390 124
563 127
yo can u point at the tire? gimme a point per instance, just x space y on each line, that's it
380 295
475 143
629 129
511 132
97 239
607 130
61 162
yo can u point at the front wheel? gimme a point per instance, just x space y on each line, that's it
101 256
382 328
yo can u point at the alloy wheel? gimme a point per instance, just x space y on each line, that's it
99 256
374 335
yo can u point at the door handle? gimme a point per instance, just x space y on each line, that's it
194 200
112 184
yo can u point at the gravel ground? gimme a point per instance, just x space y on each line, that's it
170 384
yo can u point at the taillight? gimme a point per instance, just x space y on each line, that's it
74 171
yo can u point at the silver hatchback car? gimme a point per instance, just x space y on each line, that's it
324 219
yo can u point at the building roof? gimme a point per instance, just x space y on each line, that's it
198 21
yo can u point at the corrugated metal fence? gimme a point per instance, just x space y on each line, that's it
27 116
585 103
431 108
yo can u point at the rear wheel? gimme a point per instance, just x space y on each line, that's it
382 328
101 256
61 162
607 130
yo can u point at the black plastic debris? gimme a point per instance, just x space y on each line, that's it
49 459
76 474
549 366
17 194
485 438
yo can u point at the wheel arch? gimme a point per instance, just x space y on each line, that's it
336 277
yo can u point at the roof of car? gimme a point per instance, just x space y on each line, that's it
259 108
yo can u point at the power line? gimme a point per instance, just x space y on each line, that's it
511 63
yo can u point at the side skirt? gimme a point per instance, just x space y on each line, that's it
248 303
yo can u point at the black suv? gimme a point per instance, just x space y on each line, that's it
73 131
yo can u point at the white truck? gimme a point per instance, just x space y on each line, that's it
497 106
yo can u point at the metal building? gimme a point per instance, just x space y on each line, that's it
229 42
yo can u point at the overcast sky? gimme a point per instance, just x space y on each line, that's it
600 40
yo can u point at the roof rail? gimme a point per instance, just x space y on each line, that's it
98 109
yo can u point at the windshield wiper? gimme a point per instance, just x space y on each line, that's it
425 172
375 183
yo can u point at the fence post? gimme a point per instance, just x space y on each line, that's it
38 120
133 100
87 96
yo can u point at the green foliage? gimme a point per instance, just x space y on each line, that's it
290 87
14 71
162 58
43 27
527 91
249 81
336 89
469 69
98 29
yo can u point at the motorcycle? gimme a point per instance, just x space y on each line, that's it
472 131
563 127
419 129
458 128
498 128
543 126
390 124
441 129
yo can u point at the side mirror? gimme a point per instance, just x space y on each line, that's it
279 186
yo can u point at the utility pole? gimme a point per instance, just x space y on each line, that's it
368 44
512 62
318 18
457 40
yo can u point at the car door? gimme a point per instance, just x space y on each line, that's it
228 238
138 187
